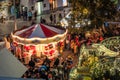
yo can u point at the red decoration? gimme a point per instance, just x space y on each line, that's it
25 54
101 38
46 47
32 47
51 52
34 52
61 44
50 46
18 49
76 39
27 47
45 53
15 44
24 47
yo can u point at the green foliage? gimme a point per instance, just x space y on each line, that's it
97 11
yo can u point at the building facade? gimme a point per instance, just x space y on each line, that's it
52 11
55 10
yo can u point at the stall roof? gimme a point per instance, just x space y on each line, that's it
9 78
10 66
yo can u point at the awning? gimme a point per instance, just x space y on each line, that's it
10 66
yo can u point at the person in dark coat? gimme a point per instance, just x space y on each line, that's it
47 61
51 18
43 72
56 63
31 63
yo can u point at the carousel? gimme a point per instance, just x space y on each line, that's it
39 40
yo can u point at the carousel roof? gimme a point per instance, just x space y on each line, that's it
39 31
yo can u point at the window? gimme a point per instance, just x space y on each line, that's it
64 2
44 5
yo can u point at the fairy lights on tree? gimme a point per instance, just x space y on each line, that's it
97 11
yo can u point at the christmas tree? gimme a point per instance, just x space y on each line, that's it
93 66
95 11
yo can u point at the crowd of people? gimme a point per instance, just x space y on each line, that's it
29 14
58 69
25 14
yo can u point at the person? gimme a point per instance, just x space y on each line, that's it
55 73
18 53
2 19
26 57
42 20
64 63
54 18
12 48
46 61
68 66
60 69
75 49
72 45
43 72
50 76
67 45
35 15
25 14
56 63
13 12
33 22
51 18
31 63
29 14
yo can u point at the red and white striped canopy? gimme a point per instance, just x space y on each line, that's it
39 31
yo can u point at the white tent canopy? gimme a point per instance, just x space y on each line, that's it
10 66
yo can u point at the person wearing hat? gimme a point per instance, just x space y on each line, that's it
67 66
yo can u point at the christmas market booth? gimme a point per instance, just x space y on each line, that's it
39 40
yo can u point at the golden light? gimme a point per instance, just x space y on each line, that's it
85 11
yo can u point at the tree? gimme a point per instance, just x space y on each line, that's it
97 11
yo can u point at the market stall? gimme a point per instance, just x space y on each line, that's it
98 61
39 39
